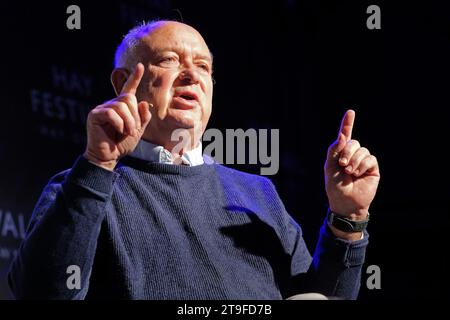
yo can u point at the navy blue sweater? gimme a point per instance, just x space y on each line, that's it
160 231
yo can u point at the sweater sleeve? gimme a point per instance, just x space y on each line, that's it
62 234
337 264
335 268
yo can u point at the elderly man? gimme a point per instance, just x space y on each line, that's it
139 217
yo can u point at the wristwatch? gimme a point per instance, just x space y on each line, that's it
344 224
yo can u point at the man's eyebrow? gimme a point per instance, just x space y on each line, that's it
202 56
197 55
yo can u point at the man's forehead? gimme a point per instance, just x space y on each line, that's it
174 36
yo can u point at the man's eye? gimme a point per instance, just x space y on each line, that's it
169 60
204 66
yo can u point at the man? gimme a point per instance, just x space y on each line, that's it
140 217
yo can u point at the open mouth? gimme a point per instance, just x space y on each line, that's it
185 100
187 95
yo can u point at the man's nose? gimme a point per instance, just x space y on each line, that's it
189 75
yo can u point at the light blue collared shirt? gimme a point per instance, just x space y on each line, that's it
150 152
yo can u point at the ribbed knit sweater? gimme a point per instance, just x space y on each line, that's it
160 231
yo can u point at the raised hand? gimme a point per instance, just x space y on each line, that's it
351 173
115 127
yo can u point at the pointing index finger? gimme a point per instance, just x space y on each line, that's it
347 124
134 79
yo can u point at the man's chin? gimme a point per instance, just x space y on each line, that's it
183 123
183 119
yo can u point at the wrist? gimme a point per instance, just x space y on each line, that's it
108 165
351 236
351 213
344 227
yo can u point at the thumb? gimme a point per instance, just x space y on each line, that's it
145 114
342 141
337 146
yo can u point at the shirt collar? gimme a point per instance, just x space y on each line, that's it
150 152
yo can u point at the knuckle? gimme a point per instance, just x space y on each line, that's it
93 112
354 143
346 151
122 105
355 160
369 161
98 109
128 97
364 150
110 113
113 104
364 164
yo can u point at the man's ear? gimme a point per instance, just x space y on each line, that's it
118 78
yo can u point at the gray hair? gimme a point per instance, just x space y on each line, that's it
126 51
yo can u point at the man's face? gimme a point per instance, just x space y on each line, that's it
177 80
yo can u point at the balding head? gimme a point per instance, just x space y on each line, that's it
128 52
177 79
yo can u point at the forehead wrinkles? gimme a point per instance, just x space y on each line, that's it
180 41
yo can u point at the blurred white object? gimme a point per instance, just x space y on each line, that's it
308 296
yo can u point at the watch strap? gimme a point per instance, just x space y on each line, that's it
345 224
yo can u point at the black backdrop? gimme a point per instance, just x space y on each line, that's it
289 64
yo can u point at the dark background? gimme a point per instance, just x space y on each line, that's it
290 65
